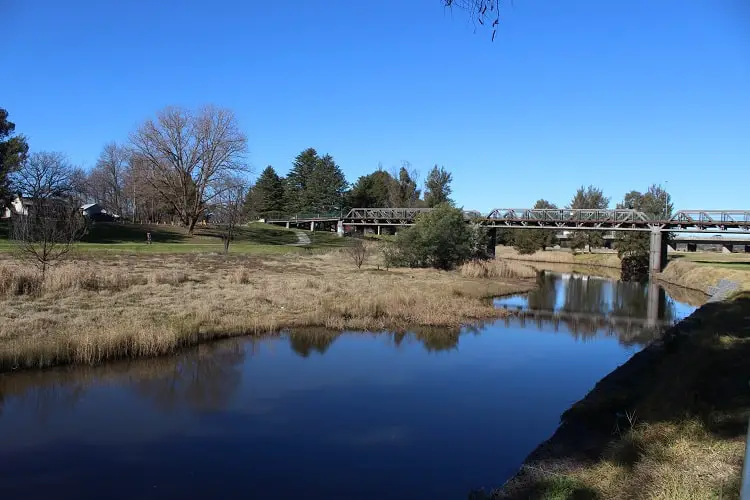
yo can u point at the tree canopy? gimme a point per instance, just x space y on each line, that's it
267 195
655 203
437 187
372 190
13 153
314 184
593 198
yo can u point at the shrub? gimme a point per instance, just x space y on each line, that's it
440 238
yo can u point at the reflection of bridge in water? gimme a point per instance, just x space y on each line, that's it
625 326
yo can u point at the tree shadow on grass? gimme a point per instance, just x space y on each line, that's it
113 233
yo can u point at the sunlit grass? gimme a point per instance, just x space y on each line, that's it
95 308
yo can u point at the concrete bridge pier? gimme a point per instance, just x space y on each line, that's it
727 248
379 230
692 247
287 224
340 228
312 226
657 252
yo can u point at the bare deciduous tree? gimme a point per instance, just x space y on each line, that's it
484 12
357 251
187 156
229 208
44 175
107 179
48 232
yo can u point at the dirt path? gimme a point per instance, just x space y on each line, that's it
303 239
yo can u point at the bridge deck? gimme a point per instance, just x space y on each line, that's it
520 218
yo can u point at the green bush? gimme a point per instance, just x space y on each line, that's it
440 238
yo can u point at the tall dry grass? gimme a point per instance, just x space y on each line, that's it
603 259
497 269
702 277
92 311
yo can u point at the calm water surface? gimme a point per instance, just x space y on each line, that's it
428 414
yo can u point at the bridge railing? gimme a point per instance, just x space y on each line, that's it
406 214
712 217
568 214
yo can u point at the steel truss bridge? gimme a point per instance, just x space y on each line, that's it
574 219
687 221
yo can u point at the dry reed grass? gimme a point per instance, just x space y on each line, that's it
604 259
701 277
91 311
497 269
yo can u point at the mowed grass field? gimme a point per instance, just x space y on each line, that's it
127 238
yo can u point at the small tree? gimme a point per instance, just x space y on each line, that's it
48 232
229 210
357 251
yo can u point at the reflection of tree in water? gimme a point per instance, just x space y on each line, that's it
203 378
586 295
544 298
44 392
304 343
438 339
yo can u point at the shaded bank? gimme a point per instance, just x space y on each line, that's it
669 423
100 309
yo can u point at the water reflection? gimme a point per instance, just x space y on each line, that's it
588 306
202 378
347 413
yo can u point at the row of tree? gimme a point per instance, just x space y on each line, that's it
655 202
184 166
317 184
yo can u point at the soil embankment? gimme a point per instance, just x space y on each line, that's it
669 423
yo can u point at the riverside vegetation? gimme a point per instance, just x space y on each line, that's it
100 305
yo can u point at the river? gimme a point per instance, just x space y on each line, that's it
427 414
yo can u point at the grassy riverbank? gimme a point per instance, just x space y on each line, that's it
669 424
603 259
101 307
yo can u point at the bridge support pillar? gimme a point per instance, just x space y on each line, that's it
287 224
692 247
658 251
747 248
340 228
727 248
653 305
491 241
378 230
312 226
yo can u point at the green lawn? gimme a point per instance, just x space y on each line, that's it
740 261
255 238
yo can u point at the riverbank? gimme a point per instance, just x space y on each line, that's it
697 271
669 423
601 259
105 307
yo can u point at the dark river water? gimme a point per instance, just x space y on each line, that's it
427 414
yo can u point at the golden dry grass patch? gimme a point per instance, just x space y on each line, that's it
90 311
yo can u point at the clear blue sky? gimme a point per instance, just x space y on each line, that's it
616 93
